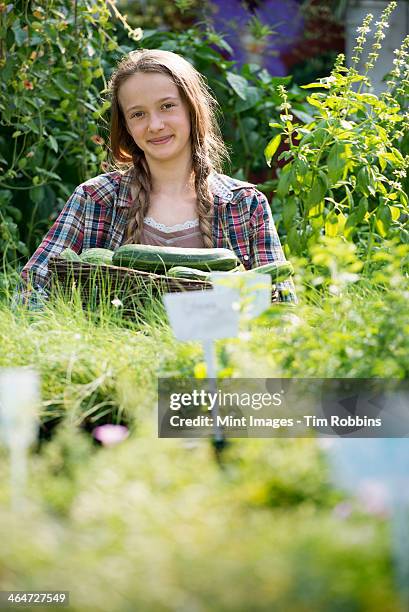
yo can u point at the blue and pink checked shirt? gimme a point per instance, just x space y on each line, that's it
96 215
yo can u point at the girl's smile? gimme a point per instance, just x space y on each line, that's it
160 141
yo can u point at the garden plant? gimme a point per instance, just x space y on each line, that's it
346 170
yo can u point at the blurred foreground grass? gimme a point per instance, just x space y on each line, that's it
158 524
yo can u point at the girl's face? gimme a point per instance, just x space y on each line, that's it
156 116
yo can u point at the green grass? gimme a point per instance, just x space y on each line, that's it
155 524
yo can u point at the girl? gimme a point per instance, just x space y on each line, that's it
168 189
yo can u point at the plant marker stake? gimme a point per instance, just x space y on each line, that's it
205 316
19 398
210 358
253 293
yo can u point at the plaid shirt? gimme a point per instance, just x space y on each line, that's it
96 215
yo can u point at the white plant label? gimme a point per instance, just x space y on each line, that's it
19 400
253 291
203 315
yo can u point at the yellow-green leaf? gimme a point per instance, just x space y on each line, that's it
334 223
200 370
395 213
331 224
316 210
271 148
314 102
315 86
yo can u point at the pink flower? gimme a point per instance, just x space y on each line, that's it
343 510
109 435
374 498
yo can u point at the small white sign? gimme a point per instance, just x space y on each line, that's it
19 402
19 398
202 315
253 291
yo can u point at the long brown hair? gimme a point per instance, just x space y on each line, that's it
208 149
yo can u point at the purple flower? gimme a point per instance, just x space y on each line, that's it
232 18
226 13
109 435
284 17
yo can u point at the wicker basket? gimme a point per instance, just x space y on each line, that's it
131 287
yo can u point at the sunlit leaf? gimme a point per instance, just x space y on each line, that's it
271 148
315 86
395 212
331 224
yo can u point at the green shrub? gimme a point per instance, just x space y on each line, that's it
349 325
52 71
344 166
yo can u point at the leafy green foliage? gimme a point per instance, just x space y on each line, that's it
351 322
52 69
150 515
346 163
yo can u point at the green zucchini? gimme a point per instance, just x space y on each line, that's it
278 270
69 255
190 273
97 256
158 259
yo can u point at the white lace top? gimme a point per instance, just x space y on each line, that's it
185 234
168 229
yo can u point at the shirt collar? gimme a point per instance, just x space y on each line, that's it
220 185
224 186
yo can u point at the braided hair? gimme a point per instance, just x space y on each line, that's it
207 146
